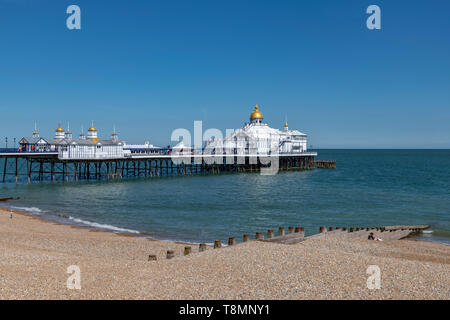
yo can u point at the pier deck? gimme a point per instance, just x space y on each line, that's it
37 166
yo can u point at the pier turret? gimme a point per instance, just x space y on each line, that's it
35 132
68 133
59 132
82 135
114 136
92 133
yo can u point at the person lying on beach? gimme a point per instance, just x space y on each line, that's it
371 237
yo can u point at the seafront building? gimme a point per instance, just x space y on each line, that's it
85 147
256 137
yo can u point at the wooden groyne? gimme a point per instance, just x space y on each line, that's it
297 235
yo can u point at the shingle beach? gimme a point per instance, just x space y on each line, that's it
35 255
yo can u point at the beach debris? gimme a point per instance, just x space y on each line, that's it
170 254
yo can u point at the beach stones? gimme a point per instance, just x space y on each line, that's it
170 254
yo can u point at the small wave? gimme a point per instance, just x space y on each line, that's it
32 210
427 231
102 226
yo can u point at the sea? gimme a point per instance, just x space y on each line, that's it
368 188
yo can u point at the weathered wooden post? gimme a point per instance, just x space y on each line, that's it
202 247
357 229
290 229
231 241
170 254
152 257
217 244
245 238
322 229
187 250
330 229
338 228
299 229
280 231
259 236
269 234
344 229
351 229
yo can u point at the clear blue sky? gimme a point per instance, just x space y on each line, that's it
153 66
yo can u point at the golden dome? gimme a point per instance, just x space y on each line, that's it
285 125
92 129
94 139
256 114
59 129
35 132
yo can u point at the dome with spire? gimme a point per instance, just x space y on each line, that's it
256 114
59 132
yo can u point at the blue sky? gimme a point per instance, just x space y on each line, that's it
150 67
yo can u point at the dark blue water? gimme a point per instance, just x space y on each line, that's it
368 188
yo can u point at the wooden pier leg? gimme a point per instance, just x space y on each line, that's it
29 164
52 171
17 173
41 167
4 169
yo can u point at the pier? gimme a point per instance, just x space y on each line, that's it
47 166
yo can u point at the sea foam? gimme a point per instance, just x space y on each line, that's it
102 226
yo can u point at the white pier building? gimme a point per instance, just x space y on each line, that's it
256 137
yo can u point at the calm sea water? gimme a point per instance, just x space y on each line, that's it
368 188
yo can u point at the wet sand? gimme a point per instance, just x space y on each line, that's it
35 255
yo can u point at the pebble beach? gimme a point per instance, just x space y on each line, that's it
36 254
